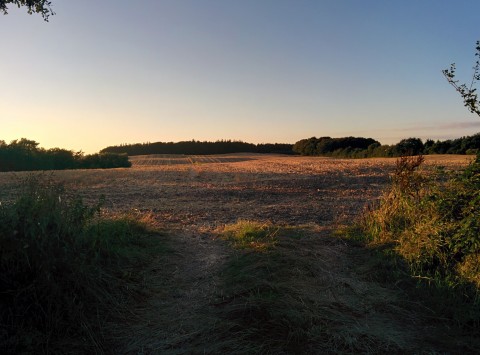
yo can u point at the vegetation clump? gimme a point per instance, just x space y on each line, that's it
66 270
433 223
25 155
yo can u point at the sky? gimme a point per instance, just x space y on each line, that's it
111 72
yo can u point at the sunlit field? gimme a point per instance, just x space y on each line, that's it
207 191
250 260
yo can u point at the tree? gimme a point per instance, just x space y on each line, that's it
467 92
410 146
42 7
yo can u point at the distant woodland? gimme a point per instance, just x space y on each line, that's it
347 147
352 147
24 155
194 147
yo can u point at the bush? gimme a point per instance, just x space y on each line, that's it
434 224
64 270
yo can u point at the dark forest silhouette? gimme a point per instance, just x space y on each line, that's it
24 155
349 147
354 147
194 147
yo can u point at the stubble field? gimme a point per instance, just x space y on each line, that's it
207 191
327 299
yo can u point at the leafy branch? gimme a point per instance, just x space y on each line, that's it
467 92
42 7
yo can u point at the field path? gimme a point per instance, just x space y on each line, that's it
179 314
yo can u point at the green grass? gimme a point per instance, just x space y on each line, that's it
251 235
66 270
289 298
257 302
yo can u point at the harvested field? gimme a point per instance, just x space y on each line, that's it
337 305
207 191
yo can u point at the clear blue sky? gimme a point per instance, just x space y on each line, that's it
109 72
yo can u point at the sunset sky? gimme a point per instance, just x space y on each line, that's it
108 72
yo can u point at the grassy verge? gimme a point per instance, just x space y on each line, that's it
291 297
429 228
66 270
258 303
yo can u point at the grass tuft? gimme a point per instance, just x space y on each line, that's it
251 235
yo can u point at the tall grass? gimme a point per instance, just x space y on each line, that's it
433 223
66 271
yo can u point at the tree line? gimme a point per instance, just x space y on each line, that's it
194 147
357 147
24 155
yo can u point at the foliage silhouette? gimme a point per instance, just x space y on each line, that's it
350 147
42 7
24 154
467 92
194 147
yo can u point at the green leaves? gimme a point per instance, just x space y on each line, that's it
467 92
42 7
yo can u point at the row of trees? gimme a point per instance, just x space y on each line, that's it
194 147
328 145
24 154
353 147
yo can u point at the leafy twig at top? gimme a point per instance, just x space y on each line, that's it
467 92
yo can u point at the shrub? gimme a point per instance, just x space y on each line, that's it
434 224
64 270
